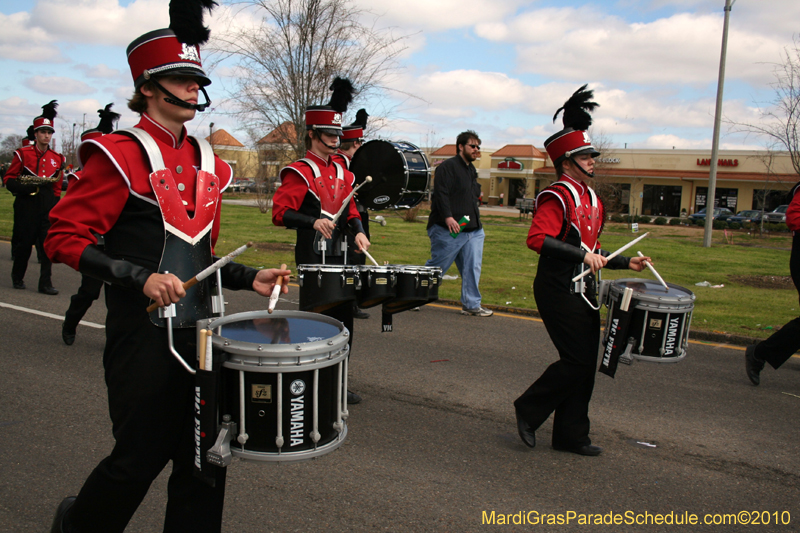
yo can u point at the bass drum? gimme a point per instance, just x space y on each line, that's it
400 175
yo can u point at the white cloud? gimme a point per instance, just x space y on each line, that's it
439 15
58 85
22 41
100 71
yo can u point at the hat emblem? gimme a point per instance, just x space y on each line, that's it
337 118
46 121
586 138
189 53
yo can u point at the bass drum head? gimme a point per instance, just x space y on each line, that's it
387 166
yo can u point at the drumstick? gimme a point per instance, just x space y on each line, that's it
349 196
201 351
659 278
208 271
370 257
276 291
613 255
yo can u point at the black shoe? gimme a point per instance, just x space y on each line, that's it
358 313
353 398
752 364
527 434
48 289
58 521
587 449
18 284
67 333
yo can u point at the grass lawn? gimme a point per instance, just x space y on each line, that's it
509 266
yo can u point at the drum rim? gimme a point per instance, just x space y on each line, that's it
279 357
690 297
289 456
326 267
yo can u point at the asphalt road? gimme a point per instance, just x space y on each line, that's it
433 445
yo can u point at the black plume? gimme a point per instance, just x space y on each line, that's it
49 110
31 135
577 109
107 119
186 20
342 94
361 119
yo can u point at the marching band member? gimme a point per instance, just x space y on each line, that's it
352 139
154 221
566 225
90 288
34 177
313 190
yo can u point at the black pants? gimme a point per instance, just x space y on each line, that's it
781 345
566 386
31 224
88 292
150 398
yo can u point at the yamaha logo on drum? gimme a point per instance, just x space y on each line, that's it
297 387
381 199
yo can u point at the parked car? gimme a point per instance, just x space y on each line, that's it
746 216
777 215
244 186
720 213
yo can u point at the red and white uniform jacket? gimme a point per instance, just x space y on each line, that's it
570 211
315 187
29 160
115 192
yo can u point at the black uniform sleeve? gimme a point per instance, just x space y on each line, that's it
238 277
296 220
15 187
560 250
356 226
96 263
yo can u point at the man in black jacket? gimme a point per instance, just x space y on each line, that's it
454 226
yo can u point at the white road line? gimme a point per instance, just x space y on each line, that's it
48 315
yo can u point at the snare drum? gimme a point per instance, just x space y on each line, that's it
325 286
660 320
283 383
378 284
400 174
416 286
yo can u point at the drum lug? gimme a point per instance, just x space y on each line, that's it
220 453
344 279
319 279
300 277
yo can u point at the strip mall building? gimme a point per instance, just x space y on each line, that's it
644 182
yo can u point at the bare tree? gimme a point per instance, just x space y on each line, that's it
605 187
8 145
780 120
287 62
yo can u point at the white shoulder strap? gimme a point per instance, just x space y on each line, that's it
575 196
206 155
314 167
149 145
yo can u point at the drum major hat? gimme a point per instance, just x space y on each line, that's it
46 120
574 138
107 120
355 131
30 138
328 118
173 51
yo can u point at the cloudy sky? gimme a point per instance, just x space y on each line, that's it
500 67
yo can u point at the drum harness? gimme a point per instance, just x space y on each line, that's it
321 244
150 147
579 286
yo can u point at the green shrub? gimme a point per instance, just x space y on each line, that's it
617 218
700 222
720 224
644 219
660 221
734 225
674 222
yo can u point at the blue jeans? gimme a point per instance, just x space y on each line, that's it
467 251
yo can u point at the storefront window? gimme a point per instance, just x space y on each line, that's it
722 198
662 200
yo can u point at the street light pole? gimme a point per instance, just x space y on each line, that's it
712 176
